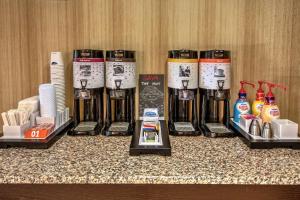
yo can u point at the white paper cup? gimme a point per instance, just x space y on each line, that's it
47 96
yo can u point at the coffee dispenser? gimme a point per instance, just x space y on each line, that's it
214 84
182 89
120 92
88 83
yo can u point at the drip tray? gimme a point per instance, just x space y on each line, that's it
184 126
119 127
86 126
218 128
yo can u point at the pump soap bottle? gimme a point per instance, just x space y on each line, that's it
242 105
260 100
270 109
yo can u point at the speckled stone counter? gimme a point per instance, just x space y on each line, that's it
106 160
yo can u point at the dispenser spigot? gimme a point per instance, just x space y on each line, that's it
83 93
118 83
220 84
220 95
83 83
185 84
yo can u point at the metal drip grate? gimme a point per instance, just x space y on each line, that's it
217 128
184 126
86 126
119 126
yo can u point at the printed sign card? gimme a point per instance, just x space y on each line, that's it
151 91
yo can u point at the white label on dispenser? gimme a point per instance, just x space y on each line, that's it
120 75
214 73
89 69
181 73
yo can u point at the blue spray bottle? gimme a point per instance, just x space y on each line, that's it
242 105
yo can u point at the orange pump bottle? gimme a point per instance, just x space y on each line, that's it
270 109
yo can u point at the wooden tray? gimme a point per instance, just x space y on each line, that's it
262 143
37 143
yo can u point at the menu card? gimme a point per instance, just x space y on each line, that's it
151 93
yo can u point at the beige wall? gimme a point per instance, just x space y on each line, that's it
263 36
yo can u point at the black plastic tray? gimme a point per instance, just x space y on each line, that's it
37 143
136 149
264 144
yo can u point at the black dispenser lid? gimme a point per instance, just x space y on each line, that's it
183 53
120 54
215 54
88 53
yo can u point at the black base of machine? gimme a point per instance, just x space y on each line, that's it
264 144
136 149
95 131
37 143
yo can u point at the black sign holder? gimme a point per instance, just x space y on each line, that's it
136 149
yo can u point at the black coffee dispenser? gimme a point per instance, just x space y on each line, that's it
120 92
182 89
214 84
88 83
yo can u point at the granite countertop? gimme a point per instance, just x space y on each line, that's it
102 159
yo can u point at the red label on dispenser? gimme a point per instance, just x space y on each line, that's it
214 60
88 59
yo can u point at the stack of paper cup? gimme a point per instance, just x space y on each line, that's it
47 100
57 76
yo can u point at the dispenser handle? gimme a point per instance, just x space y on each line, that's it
248 83
83 83
273 85
118 83
185 84
220 84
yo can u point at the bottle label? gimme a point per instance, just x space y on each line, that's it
214 71
243 108
89 69
259 106
274 112
120 75
183 73
269 113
